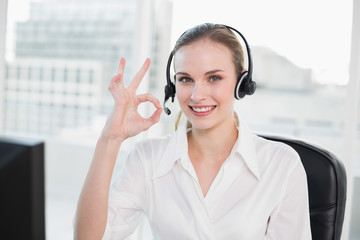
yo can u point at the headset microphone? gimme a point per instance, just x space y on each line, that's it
166 110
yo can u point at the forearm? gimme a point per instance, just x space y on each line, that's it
124 122
92 207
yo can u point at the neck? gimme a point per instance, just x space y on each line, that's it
213 144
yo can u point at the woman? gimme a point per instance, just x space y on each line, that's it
212 178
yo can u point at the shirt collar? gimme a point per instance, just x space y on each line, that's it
177 149
245 146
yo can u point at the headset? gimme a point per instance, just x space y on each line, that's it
244 85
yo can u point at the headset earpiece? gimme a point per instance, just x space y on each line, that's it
244 86
170 89
251 87
239 88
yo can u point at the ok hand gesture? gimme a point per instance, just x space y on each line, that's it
125 121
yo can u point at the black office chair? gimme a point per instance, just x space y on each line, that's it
326 178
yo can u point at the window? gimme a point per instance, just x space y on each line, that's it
70 51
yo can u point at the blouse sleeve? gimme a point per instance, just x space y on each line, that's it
290 219
126 199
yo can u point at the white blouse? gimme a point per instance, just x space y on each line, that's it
259 193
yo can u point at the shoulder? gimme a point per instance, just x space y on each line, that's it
277 153
144 154
152 147
280 165
272 146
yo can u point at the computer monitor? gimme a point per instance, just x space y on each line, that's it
22 189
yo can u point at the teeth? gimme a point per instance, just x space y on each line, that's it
204 109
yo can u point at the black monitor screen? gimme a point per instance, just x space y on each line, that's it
22 194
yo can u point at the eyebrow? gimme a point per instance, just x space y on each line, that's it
207 73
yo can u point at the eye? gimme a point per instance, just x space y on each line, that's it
214 78
185 79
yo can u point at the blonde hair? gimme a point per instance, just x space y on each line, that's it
217 33
178 120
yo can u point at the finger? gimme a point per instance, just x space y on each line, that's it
139 76
114 80
121 68
149 98
153 119
121 65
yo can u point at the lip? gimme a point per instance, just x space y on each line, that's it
203 107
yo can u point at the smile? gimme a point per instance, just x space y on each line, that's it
202 109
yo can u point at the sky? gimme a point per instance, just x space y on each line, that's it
311 33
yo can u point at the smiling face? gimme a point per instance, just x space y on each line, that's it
205 81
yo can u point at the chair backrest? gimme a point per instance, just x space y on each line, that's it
326 178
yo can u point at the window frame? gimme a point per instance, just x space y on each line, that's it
3 17
352 116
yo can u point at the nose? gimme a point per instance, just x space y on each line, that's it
199 92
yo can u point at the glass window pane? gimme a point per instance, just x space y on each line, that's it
61 55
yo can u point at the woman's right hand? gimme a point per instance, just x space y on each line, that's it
125 121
